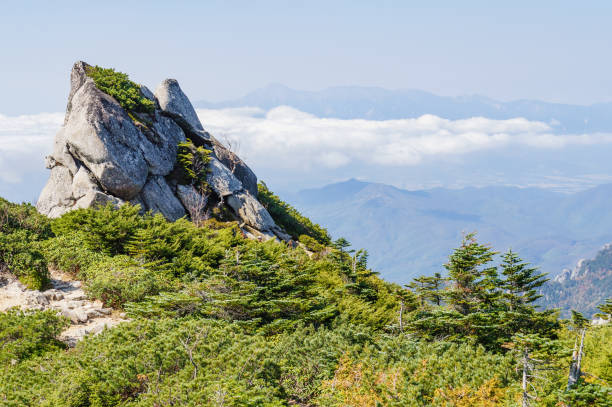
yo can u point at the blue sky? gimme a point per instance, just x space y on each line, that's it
554 50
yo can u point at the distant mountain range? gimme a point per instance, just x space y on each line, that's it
409 233
582 289
352 102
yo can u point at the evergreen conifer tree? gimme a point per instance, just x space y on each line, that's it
474 291
606 309
520 282
520 286
427 288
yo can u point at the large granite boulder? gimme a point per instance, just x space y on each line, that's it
105 154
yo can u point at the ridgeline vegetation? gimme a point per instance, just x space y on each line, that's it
221 320
118 85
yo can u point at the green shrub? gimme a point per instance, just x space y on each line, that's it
26 334
287 217
22 229
119 86
69 253
193 163
120 279
106 229
311 244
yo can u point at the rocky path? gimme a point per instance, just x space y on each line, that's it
68 298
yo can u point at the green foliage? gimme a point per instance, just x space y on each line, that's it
311 244
27 334
223 320
401 372
578 320
119 86
120 279
105 230
597 362
585 394
479 303
22 229
428 289
287 217
521 282
606 309
155 268
193 163
67 252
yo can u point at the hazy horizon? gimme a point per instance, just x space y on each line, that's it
553 51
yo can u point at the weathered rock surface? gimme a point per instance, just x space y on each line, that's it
105 154
158 197
221 179
67 298
175 104
237 167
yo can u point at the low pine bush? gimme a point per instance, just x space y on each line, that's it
119 86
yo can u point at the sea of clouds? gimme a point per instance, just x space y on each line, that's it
285 137
285 142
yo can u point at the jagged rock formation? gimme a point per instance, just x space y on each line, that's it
104 153
582 289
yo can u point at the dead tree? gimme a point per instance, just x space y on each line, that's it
575 373
195 202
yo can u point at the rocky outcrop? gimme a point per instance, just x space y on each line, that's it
104 153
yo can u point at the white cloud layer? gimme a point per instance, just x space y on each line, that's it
287 138
24 141
287 146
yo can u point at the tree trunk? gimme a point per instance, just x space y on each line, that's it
525 402
574 373
401 327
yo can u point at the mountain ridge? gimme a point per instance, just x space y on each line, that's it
374 103
553 230
583 288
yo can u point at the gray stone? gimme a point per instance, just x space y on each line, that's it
158 197
147 93
83 183
160 154
96 198
101 135
75 315
57 193
173 102
251 211
61 154
221 179
41 299
240 170
78 75
138 201
50 162
194 202
190 197
103 154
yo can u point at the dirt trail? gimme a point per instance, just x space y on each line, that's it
68 298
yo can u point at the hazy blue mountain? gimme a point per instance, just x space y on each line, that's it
352 102
409 233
